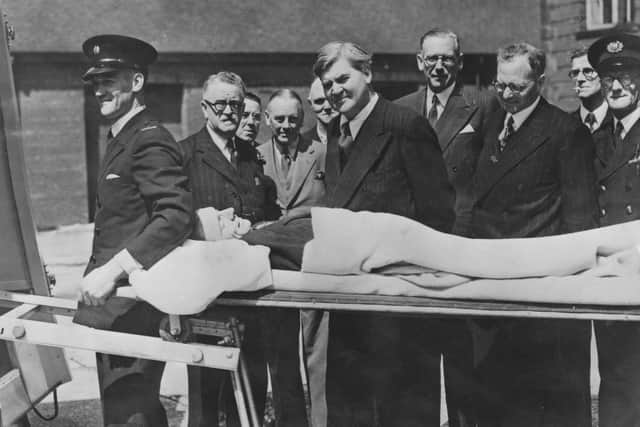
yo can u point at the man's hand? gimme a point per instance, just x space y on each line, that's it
98 285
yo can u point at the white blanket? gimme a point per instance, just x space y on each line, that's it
191 276
600 266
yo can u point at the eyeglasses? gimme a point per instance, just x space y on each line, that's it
255 116
433 59
588 73
514 88
219 105
625 80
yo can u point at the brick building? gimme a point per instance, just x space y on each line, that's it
270 43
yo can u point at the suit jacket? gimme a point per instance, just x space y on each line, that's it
306 176
216 182
460 129
143 202
395 166
542 184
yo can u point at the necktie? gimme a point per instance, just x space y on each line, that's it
232 152
617 134
506 134
590 121
344 143
286 161
433 112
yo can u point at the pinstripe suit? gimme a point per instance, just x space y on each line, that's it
216 182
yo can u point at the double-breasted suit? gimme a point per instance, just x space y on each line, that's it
143 205
395 165
537 371
618 342
460 130
305 184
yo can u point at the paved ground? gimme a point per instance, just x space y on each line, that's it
66 251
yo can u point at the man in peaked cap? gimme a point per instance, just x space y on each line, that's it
616 58
143 211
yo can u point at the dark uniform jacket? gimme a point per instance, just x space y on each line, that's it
395 166
217 183
542 184
143 203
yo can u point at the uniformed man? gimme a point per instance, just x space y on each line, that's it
593 110
250 120
143 211
616 58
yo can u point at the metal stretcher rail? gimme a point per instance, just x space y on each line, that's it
427 306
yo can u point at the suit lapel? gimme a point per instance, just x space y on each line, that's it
117 144
301 167
533 133
270 159
213 157
622 155
455 115
367 147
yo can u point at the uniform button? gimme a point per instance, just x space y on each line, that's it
603 212
603 188
92 259
628 210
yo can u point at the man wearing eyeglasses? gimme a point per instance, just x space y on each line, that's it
457 114
593 108
225 171
535 177
250 119
617 59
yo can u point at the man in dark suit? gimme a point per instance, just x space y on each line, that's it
593 110
251 118
534 177
457 114
617 60
323 111
226 171
382 158
143 211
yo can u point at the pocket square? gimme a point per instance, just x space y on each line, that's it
112 176
467 129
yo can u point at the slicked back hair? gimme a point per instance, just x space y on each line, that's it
331 52
253 97
437 32
287 94
225 77
578 52
536 57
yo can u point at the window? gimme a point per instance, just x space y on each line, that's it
608 13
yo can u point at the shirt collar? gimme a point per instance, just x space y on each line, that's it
628 121
522 115
219 141
599 113
322 132
356 124
122 121
443 97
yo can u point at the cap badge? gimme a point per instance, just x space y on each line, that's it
615 46
96 50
